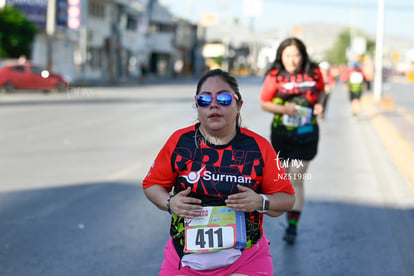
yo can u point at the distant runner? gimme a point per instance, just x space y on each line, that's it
293 92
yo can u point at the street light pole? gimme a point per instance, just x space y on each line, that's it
226 39
50 30
379 51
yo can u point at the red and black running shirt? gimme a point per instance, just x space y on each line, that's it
300 88
286 86
213 172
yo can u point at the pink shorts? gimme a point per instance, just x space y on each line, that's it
254 261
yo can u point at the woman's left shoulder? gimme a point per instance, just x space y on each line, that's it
314 72
259 138
316 69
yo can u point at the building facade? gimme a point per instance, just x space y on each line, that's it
109 40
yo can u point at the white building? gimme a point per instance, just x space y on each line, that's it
112 41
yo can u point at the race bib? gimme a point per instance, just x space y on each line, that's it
304 117
216 228
356 78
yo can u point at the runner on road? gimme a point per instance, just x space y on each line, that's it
355 80
293 92
329 81
217 180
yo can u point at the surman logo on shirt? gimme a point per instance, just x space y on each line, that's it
194 177
291 85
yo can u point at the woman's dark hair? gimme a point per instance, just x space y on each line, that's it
224 75
307 63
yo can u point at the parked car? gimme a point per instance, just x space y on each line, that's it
25 75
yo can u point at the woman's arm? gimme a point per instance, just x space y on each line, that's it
288 108
280 203
158 195
248 200
180 204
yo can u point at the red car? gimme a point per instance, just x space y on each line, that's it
18 75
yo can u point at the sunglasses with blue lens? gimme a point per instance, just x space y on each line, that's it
223 99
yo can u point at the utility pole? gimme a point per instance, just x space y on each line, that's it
252 9
379 51
226 39
50 31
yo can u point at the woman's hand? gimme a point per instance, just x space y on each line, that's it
317 109
246 200
290 109
184 206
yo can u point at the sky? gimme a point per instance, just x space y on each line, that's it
362 14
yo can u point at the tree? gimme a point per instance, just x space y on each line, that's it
17 33
337 55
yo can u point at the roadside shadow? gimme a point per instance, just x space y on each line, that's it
102 228
110 228
337 238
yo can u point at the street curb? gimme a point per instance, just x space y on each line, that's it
400 150
150 80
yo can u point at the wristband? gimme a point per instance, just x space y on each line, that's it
168 205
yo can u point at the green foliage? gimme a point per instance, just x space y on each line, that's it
218 60
17 33
337 54
370 47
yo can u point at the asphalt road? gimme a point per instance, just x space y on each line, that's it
71 202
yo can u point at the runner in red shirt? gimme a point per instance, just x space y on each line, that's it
329 81
355 81
217 180
293 91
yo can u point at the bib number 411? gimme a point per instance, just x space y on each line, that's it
209 238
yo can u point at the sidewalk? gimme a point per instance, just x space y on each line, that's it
149 80
358 217
395 127
375 148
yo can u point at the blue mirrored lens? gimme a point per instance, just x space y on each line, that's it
204 100
224 99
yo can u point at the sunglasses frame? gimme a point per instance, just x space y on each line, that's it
220 102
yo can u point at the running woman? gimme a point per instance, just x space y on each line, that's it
293 92
217 180
329 81
355 81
